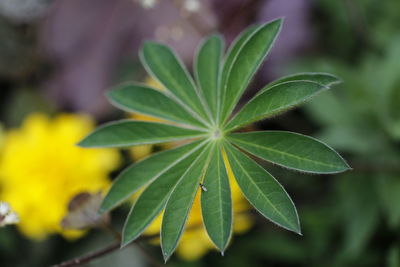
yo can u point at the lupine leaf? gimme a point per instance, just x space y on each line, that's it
263 191
246 63
143 172
276 99
207 68
162 63
172 178
216 202
130 133
180 203
291 150
154 197
142 99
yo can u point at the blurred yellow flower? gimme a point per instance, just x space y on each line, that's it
41 169
195 242
1 138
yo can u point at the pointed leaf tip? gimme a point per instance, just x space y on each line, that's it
263 191
180 203
162 63
243 61
291 150
216 205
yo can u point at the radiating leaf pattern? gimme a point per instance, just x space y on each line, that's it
198 116
154 197
180 203
143 172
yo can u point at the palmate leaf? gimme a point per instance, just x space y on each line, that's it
199 116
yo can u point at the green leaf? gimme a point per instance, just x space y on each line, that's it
276 99
207 68
291 150
171 178
154 197
143 172
248 59
324 79
126 133
263 191
180 203
162 63
142 99
216 202
229 60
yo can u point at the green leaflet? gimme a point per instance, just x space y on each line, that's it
291 150
207 68
180 203
245 64
145 100
216 202
276 99
229 60
143 172
324 79
162 63
125 133
154 197
263 191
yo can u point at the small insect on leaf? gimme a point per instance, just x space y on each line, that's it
203 188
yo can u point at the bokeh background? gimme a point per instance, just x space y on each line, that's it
57 58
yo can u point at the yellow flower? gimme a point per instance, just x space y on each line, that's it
195 242
1 138
41 169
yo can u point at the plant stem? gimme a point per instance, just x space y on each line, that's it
89 257
97 254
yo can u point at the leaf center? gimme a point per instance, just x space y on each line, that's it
216 134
